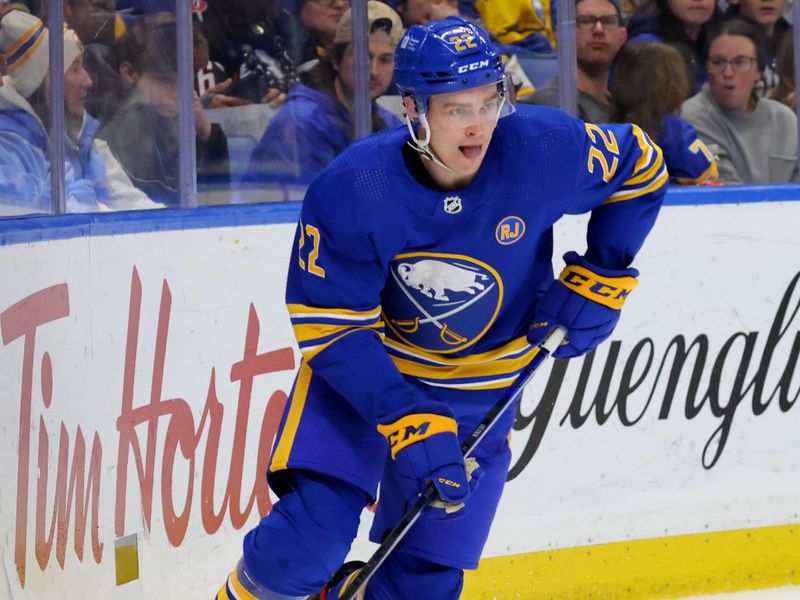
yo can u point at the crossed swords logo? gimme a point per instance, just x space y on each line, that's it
447 335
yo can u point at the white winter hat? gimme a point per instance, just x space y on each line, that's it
24 40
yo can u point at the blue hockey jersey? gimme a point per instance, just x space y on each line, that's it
398 292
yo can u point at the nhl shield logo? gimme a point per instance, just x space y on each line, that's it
441 302
452 205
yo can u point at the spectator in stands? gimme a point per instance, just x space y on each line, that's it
599 35
147 57
316 122
91 158
95 21
99 25
754 139
255 44
319 19
528 26
25 116
767 14
785 90
418 12
650 84
683 24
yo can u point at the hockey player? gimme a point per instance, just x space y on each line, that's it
420 281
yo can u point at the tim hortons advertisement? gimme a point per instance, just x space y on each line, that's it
142 378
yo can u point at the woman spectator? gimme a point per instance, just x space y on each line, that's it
767 14
648 90
683 24
93 179
754 139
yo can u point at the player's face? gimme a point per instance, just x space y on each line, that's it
765 12
599 44
76 88
692 12
462 125
381 67
731 86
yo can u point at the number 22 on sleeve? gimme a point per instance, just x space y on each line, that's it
310 264
595 154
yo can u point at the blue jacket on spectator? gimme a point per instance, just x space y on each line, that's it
25 168
306 134
83 160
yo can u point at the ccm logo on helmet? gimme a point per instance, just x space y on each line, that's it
473 66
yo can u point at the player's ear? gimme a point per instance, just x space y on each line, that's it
411 108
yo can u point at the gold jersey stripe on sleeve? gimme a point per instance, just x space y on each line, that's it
311 346
649 163
620 196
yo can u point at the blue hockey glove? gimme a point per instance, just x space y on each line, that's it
585 299
425 448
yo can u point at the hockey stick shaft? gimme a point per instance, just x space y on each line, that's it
390 541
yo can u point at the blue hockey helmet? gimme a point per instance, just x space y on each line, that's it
446 56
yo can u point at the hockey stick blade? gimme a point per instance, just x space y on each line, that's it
546 348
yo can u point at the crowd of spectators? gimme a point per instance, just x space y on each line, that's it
712 81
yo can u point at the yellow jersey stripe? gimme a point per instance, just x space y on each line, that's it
661 180
493 384
313 331
301 310
656 162
465 371
511 348
310 352
280 457
645 147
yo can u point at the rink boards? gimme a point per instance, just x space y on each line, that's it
145 359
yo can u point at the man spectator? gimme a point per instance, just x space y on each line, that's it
599 35
316 122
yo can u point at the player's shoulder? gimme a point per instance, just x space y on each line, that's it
539 117
551 127
360 182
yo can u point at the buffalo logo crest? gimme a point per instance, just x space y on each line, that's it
441 302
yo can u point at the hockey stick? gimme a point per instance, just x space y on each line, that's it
546 348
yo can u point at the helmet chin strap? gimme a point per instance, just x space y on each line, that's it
422 146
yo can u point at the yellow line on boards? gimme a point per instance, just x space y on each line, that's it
668 567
